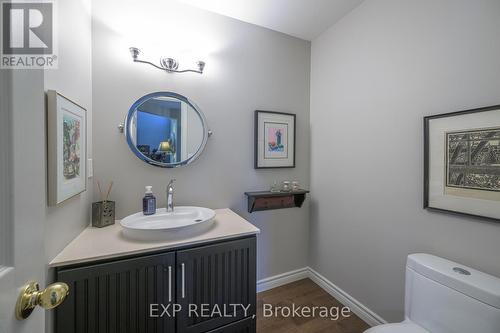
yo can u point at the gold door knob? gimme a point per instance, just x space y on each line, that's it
31 296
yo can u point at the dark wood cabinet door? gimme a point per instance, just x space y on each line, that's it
216 276
115 297
247 325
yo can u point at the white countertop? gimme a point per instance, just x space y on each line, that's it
104 243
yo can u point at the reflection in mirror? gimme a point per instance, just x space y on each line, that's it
166 129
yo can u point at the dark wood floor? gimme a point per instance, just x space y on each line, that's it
303 293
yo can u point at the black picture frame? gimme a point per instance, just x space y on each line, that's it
426 186
256 139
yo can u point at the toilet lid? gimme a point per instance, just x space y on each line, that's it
406 327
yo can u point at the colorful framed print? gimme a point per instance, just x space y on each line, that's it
462 162
67 148
274 140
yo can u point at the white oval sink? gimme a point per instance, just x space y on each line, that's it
184 221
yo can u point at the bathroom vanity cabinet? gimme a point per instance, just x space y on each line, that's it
115 295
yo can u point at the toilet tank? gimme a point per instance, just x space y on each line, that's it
445 297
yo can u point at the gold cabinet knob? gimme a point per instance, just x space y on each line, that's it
31 296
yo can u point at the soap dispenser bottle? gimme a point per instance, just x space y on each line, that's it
149 202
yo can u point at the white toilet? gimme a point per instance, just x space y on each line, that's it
445 297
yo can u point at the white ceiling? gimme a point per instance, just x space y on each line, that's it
305 19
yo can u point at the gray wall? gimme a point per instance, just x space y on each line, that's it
253 68
73 80
374 76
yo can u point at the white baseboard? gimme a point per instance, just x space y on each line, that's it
282 279
362 311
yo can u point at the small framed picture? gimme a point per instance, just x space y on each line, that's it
462 162
274 140
66 148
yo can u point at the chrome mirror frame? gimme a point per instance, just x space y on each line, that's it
126 129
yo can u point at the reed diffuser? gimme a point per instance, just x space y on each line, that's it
103 212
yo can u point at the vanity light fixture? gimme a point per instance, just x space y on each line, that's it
164 147
170 65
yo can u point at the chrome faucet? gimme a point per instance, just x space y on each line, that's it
170 196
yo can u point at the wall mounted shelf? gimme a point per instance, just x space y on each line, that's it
266 200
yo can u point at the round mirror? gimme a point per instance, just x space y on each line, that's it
166 129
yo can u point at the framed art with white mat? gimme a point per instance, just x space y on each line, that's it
274 140
66 148
462 162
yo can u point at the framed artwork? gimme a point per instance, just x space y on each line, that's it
462 162
274 140
66 148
